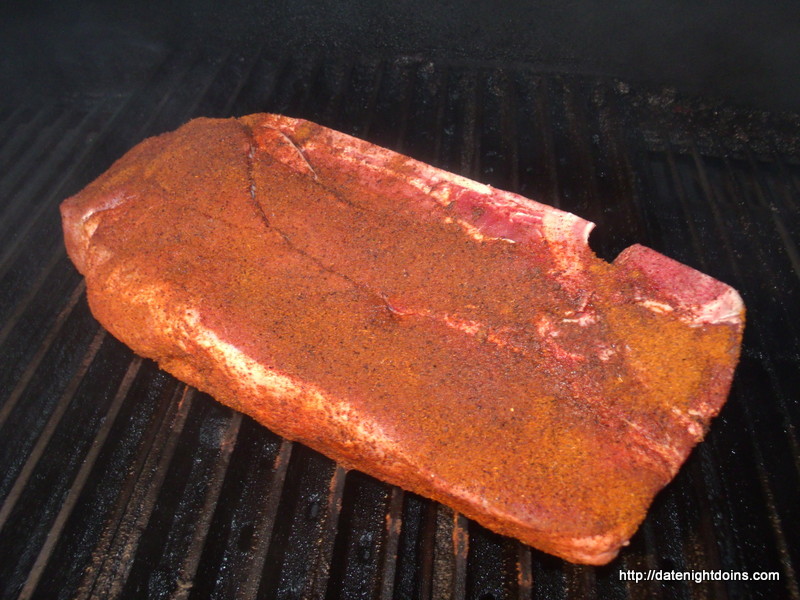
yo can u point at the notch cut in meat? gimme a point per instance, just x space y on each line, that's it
444 336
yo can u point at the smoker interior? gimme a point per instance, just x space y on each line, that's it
119 481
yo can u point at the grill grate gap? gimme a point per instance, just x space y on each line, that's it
31 366
355 569
14 144
49 428
202 523
41 154
114 555
229 83
79 481
40 389
394 524
774 210
59 278
12 116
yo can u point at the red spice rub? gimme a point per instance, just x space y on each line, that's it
461 342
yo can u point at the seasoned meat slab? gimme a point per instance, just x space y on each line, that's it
456 340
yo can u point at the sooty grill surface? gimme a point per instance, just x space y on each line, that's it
116 480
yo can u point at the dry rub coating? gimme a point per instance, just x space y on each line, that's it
459 341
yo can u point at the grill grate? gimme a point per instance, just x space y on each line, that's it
118 481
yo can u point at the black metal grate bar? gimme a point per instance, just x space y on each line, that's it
113 556
32 364
45 382
16 140
36 155
38 449
35 573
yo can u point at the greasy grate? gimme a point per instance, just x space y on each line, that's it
118 481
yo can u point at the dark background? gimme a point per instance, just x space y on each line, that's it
746 52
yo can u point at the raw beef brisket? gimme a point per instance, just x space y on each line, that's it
456 340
